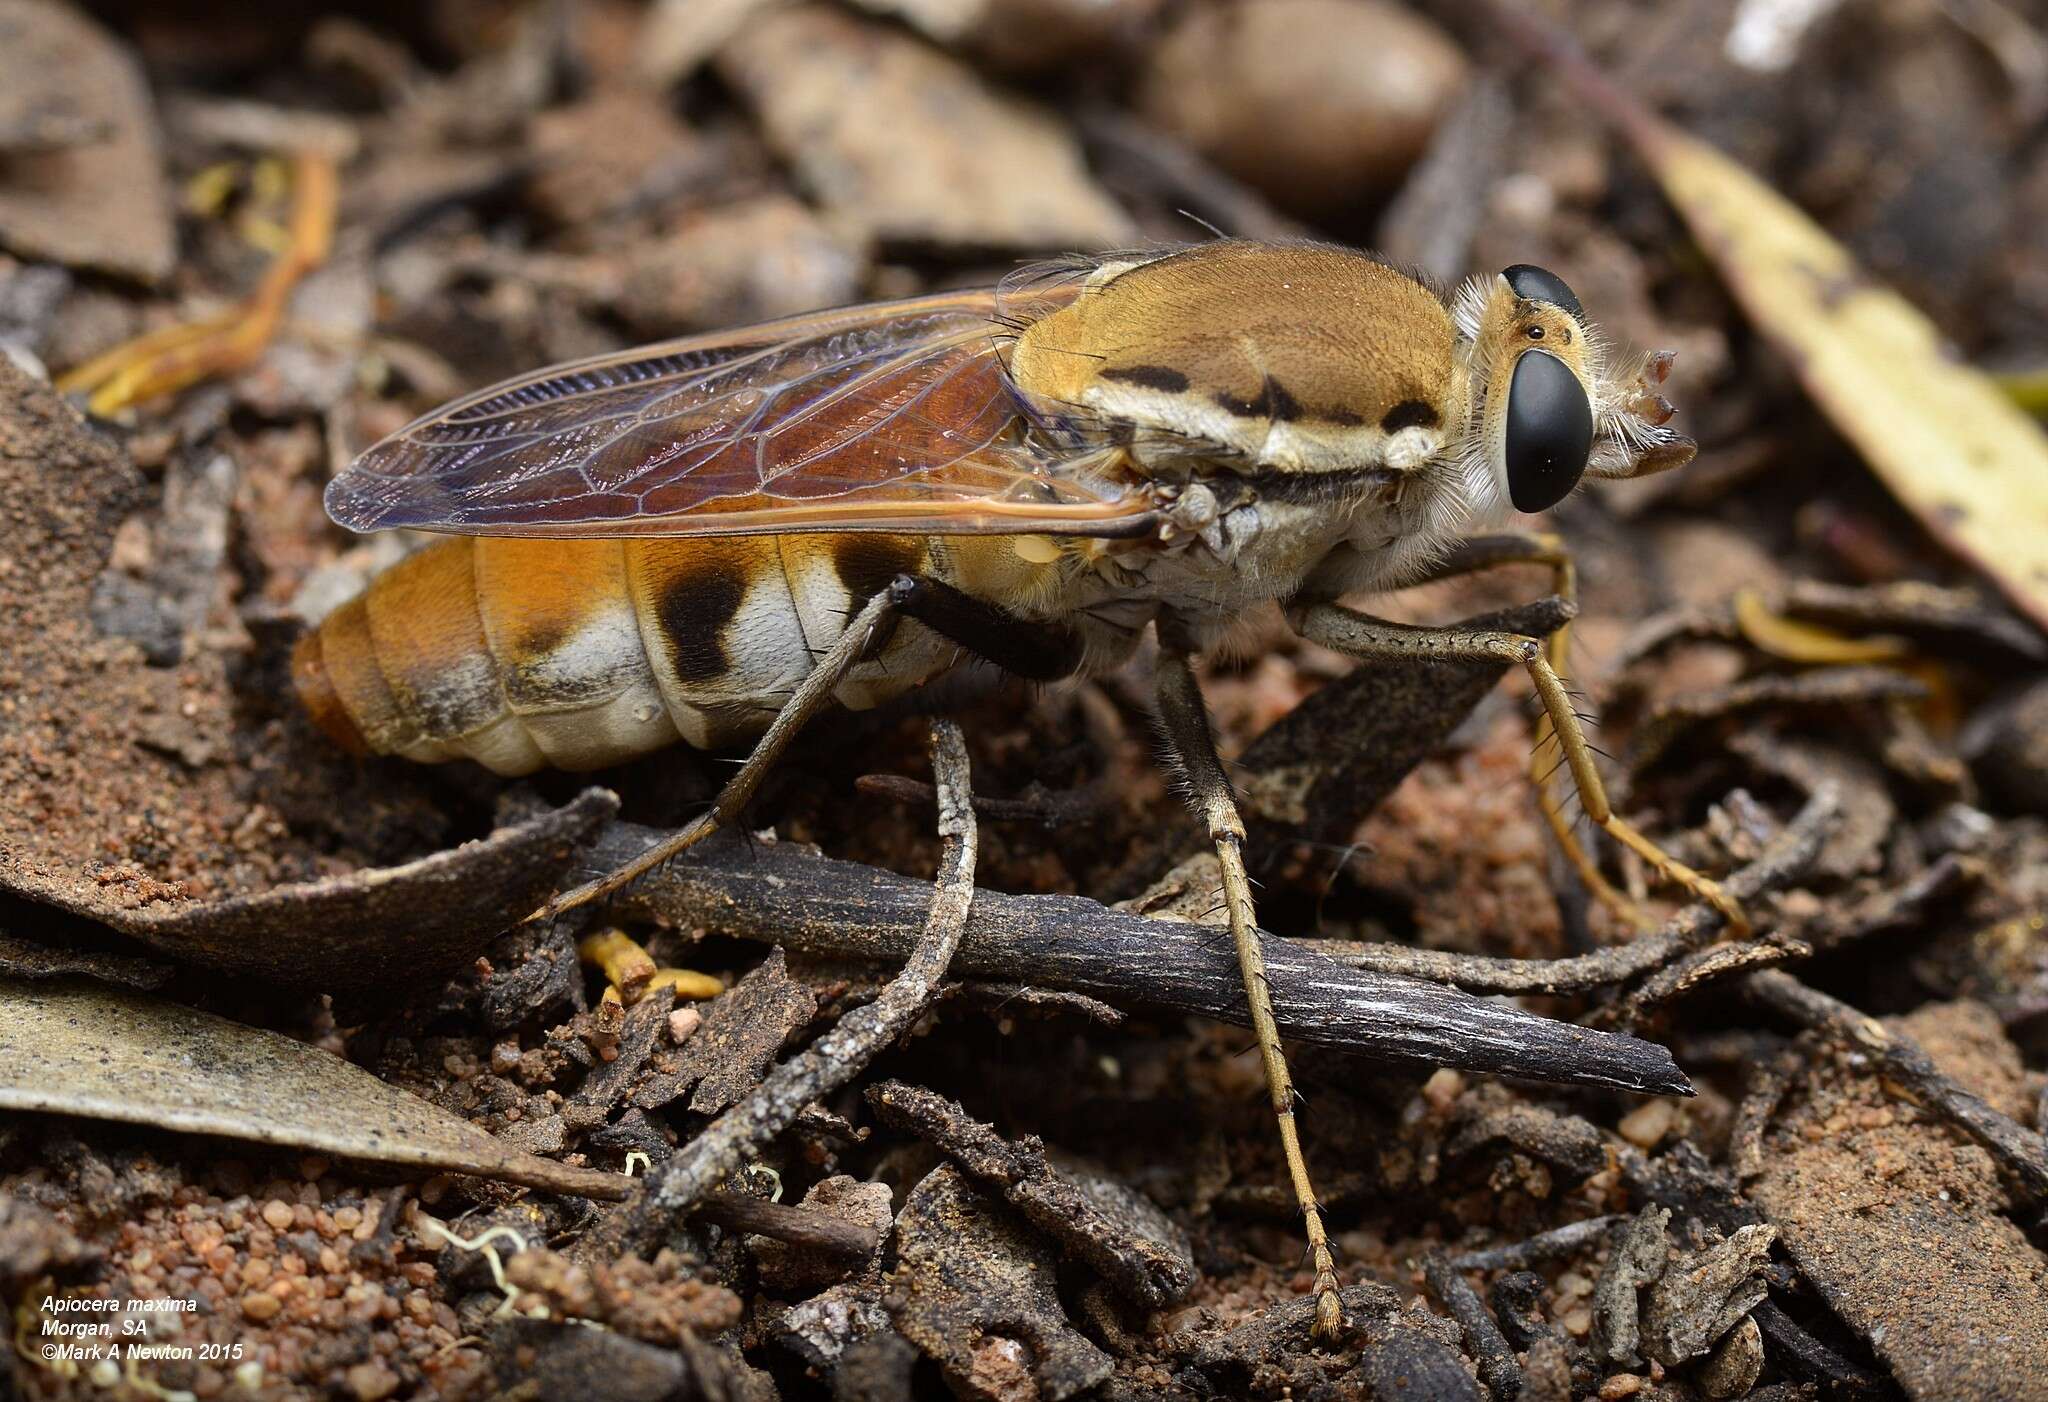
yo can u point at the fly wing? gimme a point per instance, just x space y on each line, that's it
887 417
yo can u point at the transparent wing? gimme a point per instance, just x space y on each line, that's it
888 417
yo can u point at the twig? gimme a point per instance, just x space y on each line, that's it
1497 1366
700 1166
1783 861
1691 972
799 1226
1768 1082
1546 1246
1004 997
1804 1356
1050 808
830 909
2023 1153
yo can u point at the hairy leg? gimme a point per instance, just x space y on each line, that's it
1370 639
1542 548
1186 723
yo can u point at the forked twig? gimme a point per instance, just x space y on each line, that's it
1784 860
706 1162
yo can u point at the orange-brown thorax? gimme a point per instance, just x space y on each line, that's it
1297 356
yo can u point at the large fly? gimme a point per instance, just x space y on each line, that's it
714 539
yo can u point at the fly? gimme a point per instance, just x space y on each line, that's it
713 539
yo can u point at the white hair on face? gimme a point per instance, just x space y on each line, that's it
1479 489
1468 305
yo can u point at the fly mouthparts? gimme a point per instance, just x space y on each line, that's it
1647 404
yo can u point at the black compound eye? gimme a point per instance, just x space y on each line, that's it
1534 284
1550 432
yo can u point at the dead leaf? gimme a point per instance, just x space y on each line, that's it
47 958
78 1048
350 931
907 146
85 185
1338 753
973 1289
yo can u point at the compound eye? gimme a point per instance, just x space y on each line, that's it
1534 284
1550 432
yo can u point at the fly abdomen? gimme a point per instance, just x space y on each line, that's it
576 654
515 654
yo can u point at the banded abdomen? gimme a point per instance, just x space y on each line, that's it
523 654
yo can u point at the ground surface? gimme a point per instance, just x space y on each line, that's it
1847 1208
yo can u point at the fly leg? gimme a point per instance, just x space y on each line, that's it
1371 639
1031 650
1039 652
1542 548
1185 721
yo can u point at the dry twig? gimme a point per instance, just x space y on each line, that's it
1783 861
1497 1366
700 1166
2018 1149
1545 1246
799 1226
842 910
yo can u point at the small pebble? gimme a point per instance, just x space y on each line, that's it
1648 1124
1732 1369
682 1023
1442 1089
371 1381
1620 1385
1318 103
261 1305
278 1213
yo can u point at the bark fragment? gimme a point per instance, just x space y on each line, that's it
973 1290
1123 1237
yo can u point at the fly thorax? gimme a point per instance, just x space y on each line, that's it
1392 536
